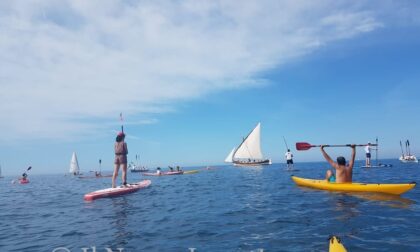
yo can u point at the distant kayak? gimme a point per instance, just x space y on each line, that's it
114 192
163 173
191 172
92 177
23 181
396 189
336 245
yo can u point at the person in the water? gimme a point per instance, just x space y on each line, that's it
344 173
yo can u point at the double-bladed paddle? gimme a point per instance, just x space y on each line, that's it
306 146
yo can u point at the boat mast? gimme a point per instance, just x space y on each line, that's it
377 149
408 145
402 151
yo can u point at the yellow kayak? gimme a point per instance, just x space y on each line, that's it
336 245
191 172
396 189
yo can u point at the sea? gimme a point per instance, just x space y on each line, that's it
220 208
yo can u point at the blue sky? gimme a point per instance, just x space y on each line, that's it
192 78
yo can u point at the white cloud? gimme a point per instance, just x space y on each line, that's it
65 62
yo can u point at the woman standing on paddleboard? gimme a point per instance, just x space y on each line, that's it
121 152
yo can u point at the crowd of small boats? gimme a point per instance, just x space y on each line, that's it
249 153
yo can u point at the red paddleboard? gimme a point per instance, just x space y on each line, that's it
163 173
23 181
120 190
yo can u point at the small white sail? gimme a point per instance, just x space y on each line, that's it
74 165
229 158
250 147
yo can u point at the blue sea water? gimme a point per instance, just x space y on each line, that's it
223 209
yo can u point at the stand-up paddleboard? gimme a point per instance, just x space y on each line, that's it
120 190
396 189
163 173
23 181
336 245
376 166
291 170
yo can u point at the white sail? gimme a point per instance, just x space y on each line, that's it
74 164
250 147
229 158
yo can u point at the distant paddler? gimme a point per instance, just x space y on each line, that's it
289 159
289 156
368 149
24 178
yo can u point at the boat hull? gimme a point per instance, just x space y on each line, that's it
262 162
411 160
163 173
145 170
395 189
114 192
23 181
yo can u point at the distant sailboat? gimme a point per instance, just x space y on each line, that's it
74 165
249 151
407 157
135 167
0 173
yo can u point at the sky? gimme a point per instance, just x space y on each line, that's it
192 78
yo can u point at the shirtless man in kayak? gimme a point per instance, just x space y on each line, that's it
344 173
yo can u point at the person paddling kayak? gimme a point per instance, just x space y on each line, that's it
24 176
121 152
344 173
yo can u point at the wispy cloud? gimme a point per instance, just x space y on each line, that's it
65 64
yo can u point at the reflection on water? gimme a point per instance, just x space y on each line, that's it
119 221
395 201
347 207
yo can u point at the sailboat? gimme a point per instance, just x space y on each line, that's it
407 157
0 173
135 167
249 151
74 165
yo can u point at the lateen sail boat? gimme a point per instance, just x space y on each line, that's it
229 158
74 165
249 151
